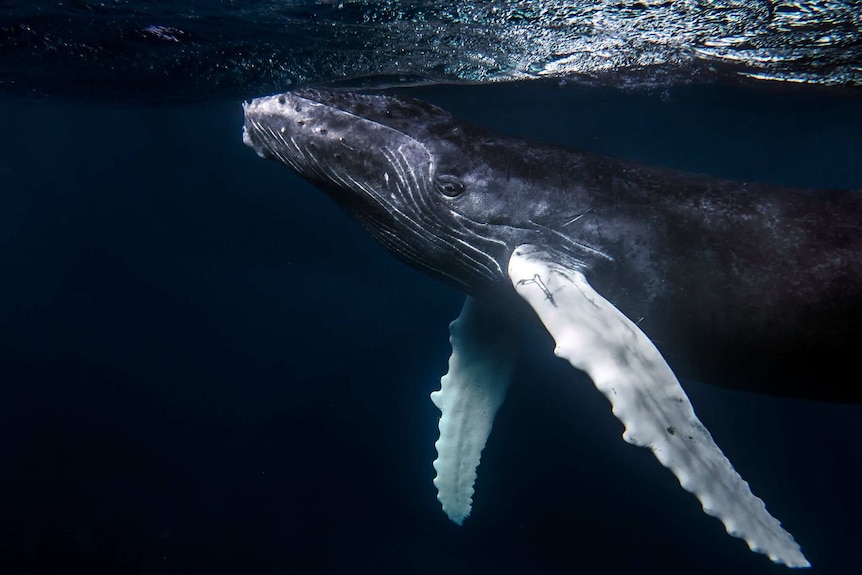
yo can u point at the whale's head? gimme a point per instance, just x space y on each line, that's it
430 188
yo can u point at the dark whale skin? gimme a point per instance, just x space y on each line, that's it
740 285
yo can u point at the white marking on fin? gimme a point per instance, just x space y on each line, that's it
645 395
471 393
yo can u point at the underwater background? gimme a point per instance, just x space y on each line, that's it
206 367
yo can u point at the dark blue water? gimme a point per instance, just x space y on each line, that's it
205 367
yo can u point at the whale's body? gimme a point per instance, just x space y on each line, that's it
742 285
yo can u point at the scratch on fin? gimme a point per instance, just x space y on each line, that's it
536 279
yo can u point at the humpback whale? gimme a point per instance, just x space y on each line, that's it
638 273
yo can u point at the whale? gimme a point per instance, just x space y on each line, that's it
640 274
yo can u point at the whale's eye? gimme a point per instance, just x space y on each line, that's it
450 186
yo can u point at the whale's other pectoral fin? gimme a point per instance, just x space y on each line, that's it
484 346
645 396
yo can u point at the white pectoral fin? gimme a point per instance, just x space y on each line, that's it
645 395
484 345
